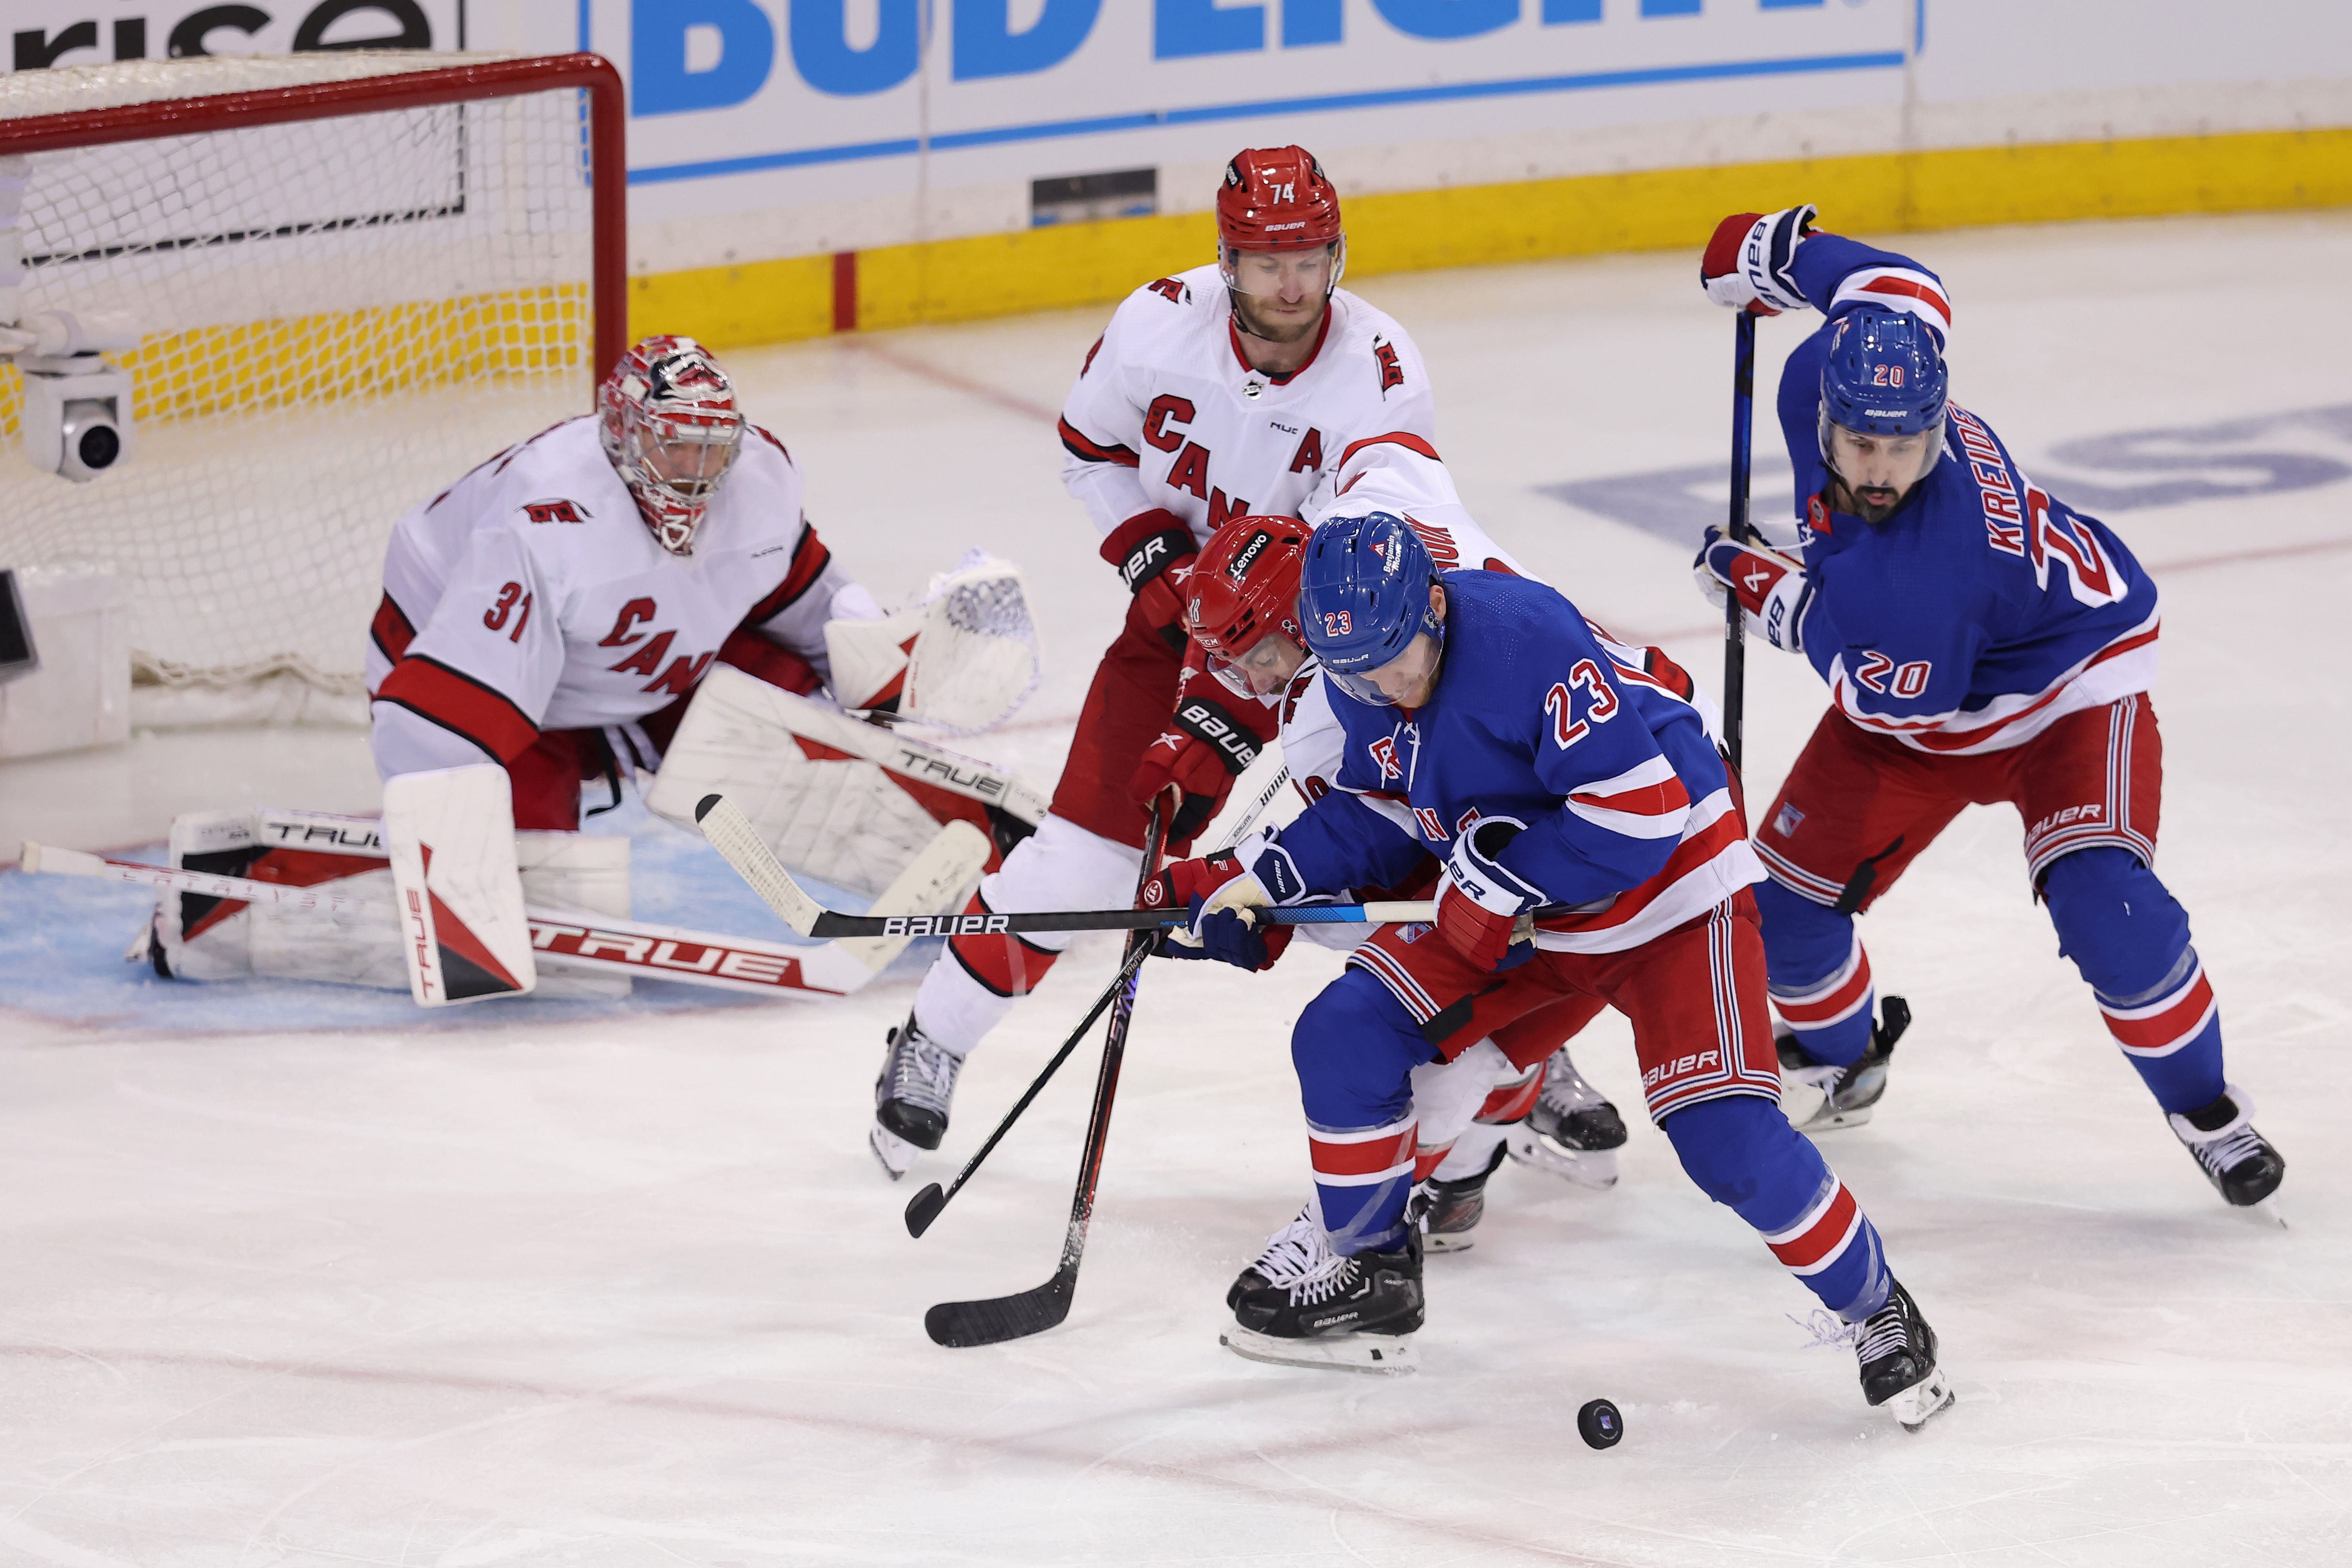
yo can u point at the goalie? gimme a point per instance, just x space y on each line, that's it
556 610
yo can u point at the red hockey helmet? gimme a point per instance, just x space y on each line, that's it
1277 199
1245 589
671 428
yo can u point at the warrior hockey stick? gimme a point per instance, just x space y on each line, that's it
958 1324
1735 623
925 1207
732 835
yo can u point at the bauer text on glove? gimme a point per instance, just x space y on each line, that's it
1152 551
1205 746
1746 265
1482 907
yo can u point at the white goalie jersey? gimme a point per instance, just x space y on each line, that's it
531 596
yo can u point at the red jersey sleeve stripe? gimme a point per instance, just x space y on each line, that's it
810 558
1908 290
460 704
1405 439
391 630
1648 800
1089 451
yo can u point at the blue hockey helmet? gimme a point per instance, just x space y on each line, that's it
1883 374
1363 597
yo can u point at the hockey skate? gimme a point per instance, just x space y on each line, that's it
2240 1161
1850 1092
1447 1213
910 1098
1897 1352
1573 1132
1303 1304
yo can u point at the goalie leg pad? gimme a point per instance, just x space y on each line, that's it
451 836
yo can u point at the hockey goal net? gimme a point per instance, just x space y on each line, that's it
343 279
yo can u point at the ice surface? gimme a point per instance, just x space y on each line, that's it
628 1289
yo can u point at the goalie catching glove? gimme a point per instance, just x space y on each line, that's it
1773 588
964 659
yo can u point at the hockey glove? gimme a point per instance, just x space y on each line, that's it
1221 895
1481 907
1206 746
1747 264
1774 590
1152 551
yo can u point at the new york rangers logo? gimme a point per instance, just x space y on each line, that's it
1384 752
1785 824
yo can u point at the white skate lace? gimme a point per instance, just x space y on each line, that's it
2224 1153
1825 1330
1823 1077
1299 1258
1884 1334
923 1072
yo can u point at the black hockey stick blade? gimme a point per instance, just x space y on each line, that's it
923 1208
960 1325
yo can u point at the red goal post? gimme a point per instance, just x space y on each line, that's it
345 277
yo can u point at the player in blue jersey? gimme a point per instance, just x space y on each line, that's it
1592 846
1982 642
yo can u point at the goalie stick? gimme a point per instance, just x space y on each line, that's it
961 1324
925 1207
732 835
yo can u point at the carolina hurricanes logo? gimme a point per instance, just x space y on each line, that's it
1384 752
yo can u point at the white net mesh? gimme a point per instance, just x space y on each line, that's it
336 318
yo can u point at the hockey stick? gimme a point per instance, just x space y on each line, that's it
960 1324
925 1207
1735 624
732 835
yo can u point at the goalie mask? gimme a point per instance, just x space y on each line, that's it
1240 602
671 429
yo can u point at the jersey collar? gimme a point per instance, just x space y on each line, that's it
1234 336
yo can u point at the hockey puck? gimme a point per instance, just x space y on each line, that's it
1599 1424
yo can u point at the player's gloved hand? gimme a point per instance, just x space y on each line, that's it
1774 590
1481 908
1152 551
1747 263
1206 746
1222 897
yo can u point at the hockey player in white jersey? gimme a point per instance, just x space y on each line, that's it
1240 386
1241 610
555 610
